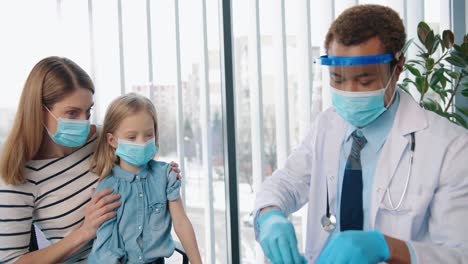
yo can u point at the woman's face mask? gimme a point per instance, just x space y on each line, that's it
70 132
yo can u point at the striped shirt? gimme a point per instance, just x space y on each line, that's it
53 199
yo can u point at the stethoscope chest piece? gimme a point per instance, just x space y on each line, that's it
328 222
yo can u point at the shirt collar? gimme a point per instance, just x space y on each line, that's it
376 132
129 176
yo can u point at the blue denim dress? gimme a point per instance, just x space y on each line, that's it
141 231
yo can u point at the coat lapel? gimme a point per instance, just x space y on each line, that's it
332 149
409 118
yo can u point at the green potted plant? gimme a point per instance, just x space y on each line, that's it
439 72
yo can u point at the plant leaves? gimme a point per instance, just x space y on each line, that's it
460 120
436 77
448 39
463 110
419 83
404 87
461 50
419 47
423 31
425 86
443 81
436 43
455 61
465 92
406 83
430 63
411 62
433 106
453 74
413 70
459 55
428 105
407 45
429 43
440 91
464 49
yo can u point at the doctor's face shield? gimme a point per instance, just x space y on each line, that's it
360 85
357 73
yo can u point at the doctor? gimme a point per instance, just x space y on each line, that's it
384 179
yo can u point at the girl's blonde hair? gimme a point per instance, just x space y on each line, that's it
51 80
124 106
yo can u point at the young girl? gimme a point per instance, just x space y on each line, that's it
149 190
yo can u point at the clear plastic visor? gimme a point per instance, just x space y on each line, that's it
356 74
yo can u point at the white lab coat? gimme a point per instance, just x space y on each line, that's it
433 217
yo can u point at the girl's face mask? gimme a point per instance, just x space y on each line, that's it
136 154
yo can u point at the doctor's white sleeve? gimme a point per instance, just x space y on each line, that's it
288 187
448 217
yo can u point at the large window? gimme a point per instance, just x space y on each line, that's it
170 51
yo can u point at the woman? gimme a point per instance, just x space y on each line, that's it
45 177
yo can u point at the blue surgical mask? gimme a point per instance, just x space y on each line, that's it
70 132
359 108
136 154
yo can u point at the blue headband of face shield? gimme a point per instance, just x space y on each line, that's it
354 60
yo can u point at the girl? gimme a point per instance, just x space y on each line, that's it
141 232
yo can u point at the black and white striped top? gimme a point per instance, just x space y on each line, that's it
53 199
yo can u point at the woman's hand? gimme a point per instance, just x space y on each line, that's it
98 210
175 168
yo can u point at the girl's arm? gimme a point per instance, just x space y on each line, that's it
98 210
184 231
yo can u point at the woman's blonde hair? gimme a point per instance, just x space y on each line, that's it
122 107
50 80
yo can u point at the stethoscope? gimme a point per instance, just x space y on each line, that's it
329 220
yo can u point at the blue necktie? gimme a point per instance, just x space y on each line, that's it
351 211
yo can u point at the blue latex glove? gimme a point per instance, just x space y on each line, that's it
278 239
356 247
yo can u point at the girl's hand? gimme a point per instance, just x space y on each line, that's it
175 168
98 210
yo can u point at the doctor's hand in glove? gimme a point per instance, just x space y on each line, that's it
356 247
277 238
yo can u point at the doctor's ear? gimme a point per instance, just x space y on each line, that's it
111 140
400 64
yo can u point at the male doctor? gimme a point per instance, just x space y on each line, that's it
384 179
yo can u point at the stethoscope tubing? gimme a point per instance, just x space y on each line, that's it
392 207
389 196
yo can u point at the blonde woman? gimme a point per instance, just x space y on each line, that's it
141 232
45 177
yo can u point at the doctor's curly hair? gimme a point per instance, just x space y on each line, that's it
360 23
